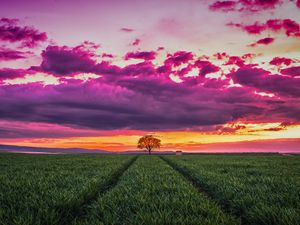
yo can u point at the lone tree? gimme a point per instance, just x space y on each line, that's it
148 142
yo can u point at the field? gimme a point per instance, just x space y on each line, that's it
157 189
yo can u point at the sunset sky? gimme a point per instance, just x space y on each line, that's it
202 75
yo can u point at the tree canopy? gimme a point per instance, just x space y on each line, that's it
149 142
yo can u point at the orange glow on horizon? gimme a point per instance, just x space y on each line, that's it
185 140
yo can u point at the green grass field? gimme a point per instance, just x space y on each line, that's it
167 189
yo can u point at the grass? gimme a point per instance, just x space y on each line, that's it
44 189
128 189
258 189
151 192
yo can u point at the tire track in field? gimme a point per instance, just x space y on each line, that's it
80 210
201 189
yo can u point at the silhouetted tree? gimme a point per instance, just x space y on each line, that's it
148 142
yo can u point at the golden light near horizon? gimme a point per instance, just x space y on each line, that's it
175 139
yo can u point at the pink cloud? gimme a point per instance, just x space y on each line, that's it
223 5
195 102
206 67
178 58
235 60
127 30
277 61
27 36
107 55
244 5
290 27
263 41
7 54
141 55
255 28
136 42
221 56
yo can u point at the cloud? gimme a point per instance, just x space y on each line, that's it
126 29
141 55
143 103
255 28
7 54
280 127
143 96
291 71
11 32
15 129
66 61
7 73
263 41
277 61
235 60
256 5
206 67
107 55
262 80
244 5
290 27
230 128
223 6
136 42
178 58
138 97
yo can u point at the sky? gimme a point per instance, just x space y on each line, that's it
201 75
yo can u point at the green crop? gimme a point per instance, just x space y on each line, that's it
151 192
127 189
49 189
261 189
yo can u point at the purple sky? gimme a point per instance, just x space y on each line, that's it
221 70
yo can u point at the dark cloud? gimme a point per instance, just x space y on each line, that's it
64 60
291 71
7 73
143 103
262 80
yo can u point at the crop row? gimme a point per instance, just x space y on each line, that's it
257 189
151 192
39 189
